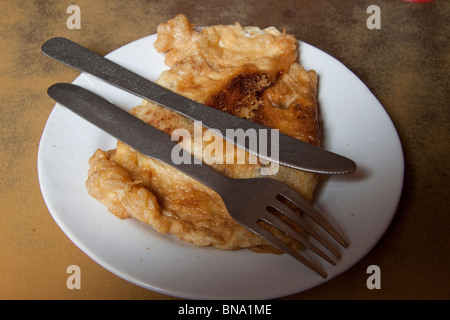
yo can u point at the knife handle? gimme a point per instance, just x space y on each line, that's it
85 60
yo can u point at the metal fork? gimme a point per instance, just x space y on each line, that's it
251 202
256 200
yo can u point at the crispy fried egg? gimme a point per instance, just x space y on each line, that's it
249 72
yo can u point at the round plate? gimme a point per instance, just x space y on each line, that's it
361 205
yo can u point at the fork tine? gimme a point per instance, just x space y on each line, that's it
278 243
284 209
308 209
284 227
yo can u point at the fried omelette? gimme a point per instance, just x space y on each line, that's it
246 71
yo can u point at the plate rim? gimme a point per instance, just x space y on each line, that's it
177 293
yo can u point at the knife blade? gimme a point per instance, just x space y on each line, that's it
290 151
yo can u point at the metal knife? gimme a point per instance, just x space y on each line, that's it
291 152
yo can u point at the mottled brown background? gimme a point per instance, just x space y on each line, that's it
405 64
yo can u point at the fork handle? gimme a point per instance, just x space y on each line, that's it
131 130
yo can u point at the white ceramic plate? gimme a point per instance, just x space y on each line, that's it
361 204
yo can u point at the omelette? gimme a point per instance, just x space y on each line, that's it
249 72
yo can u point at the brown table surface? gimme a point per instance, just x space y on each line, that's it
405 64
